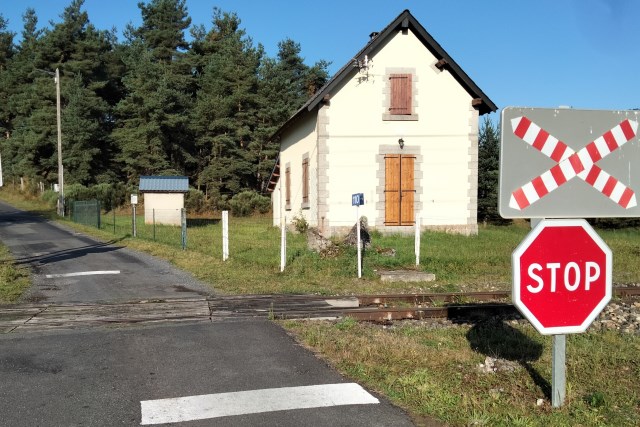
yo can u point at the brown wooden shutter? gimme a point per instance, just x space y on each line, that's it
392 189
399 190
401 94
305 180
287 186
407 190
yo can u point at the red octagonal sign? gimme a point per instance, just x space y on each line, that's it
561 276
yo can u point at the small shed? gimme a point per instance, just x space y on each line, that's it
163 198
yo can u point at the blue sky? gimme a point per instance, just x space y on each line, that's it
534 53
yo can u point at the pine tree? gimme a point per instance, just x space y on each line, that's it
6 52
163 26
224 116
488 172
17 86
152 132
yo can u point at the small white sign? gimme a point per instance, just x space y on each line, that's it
134 199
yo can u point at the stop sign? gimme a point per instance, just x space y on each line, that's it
561 276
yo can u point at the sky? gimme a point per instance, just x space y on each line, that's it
525 53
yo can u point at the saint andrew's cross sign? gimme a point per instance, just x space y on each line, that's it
543 150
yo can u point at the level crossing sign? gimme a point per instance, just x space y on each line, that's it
568 163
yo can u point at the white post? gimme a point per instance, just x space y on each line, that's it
283 243
417 243
225 235
133 221
60 169
359 248
1 180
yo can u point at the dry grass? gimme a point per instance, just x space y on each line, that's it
434 371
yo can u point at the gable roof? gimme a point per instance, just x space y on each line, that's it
164 184
404 21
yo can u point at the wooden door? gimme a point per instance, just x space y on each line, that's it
399 189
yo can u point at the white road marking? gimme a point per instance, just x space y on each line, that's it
82 273
208 406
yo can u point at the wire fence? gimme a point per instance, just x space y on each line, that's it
248 239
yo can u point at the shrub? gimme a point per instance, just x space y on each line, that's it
51 197
194 201
248 202
300 223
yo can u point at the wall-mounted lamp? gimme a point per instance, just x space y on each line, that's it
401 143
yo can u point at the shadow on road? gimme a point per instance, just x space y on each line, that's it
67 254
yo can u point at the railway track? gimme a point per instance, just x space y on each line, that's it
375 308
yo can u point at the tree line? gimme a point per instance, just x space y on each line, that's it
155 103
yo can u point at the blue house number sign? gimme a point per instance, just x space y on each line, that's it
357 199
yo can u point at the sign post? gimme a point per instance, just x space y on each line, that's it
558 163
134 202
357 200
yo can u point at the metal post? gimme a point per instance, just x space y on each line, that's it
359 248
417 241
183 217
113 206
134 221
558 367
60 170
225 235
153 216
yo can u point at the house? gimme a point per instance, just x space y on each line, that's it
163 198
398 123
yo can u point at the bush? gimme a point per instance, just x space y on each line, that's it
300 223
51 197
194 201
248 202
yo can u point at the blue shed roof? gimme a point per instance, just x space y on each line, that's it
164 184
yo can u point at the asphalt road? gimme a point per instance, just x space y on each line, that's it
70 267
103 376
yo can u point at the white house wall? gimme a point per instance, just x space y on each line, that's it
296 143
444 138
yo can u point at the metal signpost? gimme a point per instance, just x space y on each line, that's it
134 202
357 200
558 163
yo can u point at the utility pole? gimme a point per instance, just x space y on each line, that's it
60 167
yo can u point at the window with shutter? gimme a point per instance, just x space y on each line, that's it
305 182
401 94
287 187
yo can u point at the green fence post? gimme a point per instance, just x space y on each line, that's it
183 217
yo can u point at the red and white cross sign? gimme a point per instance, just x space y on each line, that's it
571 164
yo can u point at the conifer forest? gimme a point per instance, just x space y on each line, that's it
170 98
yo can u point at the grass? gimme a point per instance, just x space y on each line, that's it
434 372
14 279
